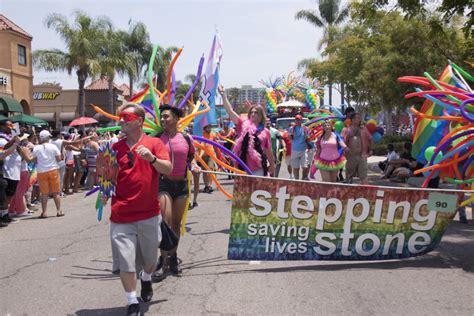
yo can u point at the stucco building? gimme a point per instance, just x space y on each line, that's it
16 74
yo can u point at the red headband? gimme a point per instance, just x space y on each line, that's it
128 116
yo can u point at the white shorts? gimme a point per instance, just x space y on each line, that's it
298 159
288 160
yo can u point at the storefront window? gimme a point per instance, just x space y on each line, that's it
22 55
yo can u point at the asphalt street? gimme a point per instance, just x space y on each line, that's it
62 266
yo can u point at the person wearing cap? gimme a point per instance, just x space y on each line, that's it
299 135
47 158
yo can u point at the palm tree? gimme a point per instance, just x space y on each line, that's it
330 14
160 67
113 59
234 94
138 48
82 52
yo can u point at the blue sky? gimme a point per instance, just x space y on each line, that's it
260 38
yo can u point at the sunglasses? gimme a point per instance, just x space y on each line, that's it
128 116
131 159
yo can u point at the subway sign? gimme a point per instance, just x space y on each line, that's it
45 95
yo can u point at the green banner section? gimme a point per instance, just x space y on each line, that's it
276 219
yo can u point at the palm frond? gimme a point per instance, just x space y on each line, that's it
343 14
51 60
309 16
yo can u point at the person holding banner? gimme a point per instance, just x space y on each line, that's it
135 213
173 190
329 157
253 144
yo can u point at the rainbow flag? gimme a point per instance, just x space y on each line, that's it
33 174
428 132
144 98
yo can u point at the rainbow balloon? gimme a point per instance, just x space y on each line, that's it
444 127
312 99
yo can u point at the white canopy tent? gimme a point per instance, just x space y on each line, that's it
290 104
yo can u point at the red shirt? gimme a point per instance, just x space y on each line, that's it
136 193
287 140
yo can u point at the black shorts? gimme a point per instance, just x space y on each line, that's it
3 196
11 187
207 160
175 189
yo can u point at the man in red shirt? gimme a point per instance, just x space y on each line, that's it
135 218
287 139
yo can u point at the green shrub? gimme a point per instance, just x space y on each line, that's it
386 139
381 149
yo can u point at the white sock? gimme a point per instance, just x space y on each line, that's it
132 298
145 276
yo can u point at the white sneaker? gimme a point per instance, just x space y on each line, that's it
24 214
291 177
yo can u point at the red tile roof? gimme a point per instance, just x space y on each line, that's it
125 89
6 24
101 84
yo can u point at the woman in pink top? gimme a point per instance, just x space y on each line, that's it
329 158
173 188
253 143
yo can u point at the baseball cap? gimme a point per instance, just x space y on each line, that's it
44 134
298 117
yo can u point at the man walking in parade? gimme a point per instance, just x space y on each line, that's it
135 218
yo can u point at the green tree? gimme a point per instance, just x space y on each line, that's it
113 59
370 54
233 94
82 52
449 9
162 62
329 15
138 49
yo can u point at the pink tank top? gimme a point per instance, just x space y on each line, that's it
178 152
329 150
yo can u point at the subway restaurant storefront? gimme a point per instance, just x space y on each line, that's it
55 105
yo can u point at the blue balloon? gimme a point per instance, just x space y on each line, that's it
376 137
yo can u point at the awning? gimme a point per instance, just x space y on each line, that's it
45 116
8 104
28 119
67 116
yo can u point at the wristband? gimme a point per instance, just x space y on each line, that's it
153 161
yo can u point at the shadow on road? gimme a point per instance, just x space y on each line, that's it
144 307
107 275
222 231
455 251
